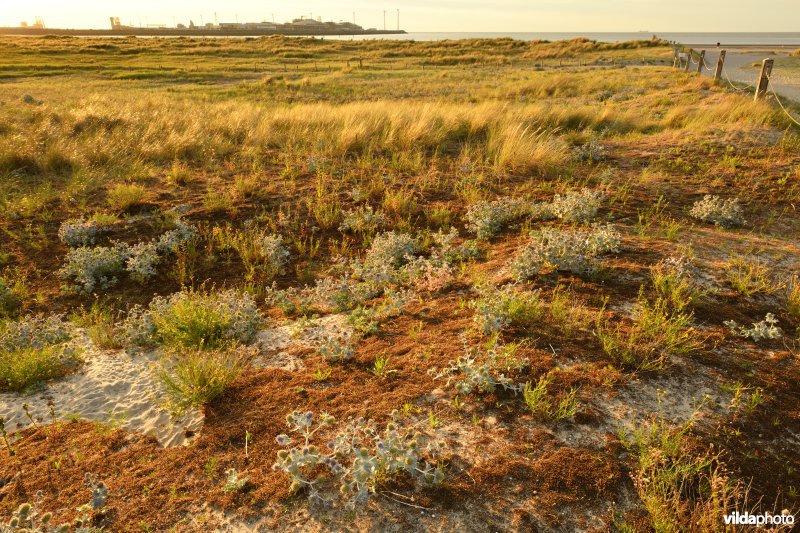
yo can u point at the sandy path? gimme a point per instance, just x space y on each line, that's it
118 386
738 66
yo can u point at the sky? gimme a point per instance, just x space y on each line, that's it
430 15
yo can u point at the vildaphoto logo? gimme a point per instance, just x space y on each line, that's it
763 519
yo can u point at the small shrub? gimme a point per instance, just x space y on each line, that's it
566 250
391 249
79 232
724 213
98 321
447 251
766 329
486 219
749 276
35 349
142 261
170 241
567 312
482 372
682 488
362 220
592 152
218 201
137 329
430 275
496 309
94 268
792 298
656 334
674 280
340 347
359 457
577 206
124 196
10 296
198 377
195 320
541 404
259 250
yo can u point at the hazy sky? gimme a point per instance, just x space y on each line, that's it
431 15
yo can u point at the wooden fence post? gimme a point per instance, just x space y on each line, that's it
701 62
688 59
763 79
720 66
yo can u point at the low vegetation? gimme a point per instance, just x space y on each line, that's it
461 266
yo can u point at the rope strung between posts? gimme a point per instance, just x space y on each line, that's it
777 98
728 79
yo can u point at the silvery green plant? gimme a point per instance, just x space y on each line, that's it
362 220
77 232
27 518
767 329
142 261
495 308
577 206
592 151
234 480
365 320
83 524
98 489
273 253
138 328
713 209
569 250
238 313
358 456
339 346
35 331
447 251
430 275
242 314
170 241
94 268
391 249
481 370
487 218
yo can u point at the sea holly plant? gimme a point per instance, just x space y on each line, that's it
482 370
234 480
359 456
723 213
766 329
338 347
575 251
28 518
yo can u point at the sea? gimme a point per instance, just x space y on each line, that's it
687 38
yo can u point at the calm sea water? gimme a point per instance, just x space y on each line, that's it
785 39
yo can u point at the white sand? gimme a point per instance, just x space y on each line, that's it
110 386
119 386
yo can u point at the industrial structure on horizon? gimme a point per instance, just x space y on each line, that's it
298 26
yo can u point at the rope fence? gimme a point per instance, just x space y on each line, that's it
763 85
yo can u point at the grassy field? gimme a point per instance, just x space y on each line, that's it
301 284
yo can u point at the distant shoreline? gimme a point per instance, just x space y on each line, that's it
187 32
729 40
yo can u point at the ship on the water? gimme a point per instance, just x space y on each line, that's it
300 27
